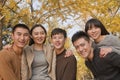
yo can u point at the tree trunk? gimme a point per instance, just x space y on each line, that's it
1 18
0 35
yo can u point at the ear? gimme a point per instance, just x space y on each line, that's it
12 36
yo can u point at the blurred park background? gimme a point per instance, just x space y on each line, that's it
70 15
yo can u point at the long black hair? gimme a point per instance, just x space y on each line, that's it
35 26
96 23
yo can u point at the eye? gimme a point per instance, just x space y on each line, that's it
90 28
82 45
26 34
35 33
43 33
53 37
18 33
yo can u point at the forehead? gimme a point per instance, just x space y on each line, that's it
58 34
38 29
80 41
21 30
93 25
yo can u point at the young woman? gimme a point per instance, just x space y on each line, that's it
97 31
40 59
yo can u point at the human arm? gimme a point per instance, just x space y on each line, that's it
68 53
70 70
6 71
105 51
109 44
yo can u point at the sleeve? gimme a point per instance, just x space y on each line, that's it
116 45
70 70
6 72
116 49
113 42
114 59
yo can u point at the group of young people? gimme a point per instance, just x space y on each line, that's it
37 61
40 61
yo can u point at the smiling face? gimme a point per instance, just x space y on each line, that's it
94 32
38 35
58 41
20 37
83 47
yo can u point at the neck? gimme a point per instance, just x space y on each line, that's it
38 46
100 38
17 50
58 51
90 57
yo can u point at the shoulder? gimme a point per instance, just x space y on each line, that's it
111 37
71 58
48 46
112 56
27 47
5 54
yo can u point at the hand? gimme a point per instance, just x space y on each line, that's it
105 51
68 53
8 46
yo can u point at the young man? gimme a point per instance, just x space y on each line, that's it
107 68
65 67
10 60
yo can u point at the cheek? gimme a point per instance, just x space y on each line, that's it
34 36
89 32
27 38
77 50
15 37
44 36
53 41
99 31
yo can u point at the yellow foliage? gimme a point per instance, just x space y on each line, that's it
82 71
28 1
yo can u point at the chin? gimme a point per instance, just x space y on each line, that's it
21 46
58 47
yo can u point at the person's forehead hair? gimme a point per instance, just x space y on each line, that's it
23 26
92 22
59 31
80 34
36 26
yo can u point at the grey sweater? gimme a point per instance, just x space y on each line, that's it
110 41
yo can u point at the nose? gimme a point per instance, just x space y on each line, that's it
40 35
22 37
93 29
80 49
57 39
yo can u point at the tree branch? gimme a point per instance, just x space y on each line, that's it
53 11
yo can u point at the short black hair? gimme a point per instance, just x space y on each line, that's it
20 26
80 34
96 23
58 31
